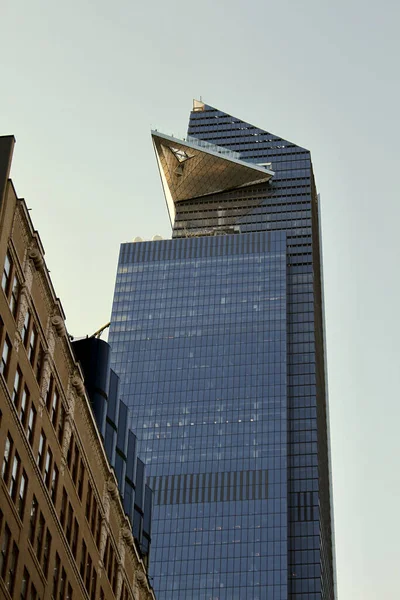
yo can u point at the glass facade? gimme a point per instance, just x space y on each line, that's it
217 336
120 442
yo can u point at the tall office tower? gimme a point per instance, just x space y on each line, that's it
218 337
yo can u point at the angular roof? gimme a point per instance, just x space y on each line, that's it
192 168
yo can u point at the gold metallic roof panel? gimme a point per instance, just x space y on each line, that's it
190 169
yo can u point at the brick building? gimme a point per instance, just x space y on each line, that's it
63 529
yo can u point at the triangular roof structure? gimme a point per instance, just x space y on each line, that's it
192 168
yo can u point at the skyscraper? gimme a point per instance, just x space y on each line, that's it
218 336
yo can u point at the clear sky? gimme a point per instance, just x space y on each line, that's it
82 84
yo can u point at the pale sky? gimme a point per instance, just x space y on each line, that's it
82 84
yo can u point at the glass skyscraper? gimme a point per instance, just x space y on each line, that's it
218 338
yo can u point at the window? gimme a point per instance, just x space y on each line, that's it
25 328
68 531
23 485
47 467
42 444
62 584
83 559
39 363
54 408
88 500
14 476
75 465
49 393
61 424
98 532
6 279
39 537
25 585
17 387
94 585
32 345
74 546
94 515
33 519
5 357
33 593
54 483
7 457
81 478
56 575
46 553
88 573
110 563
5 548
31 424
24 406
69 592
14 296
11 569
69 453
63 511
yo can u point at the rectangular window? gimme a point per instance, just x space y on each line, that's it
5 471
47 467
62 583
33 519
23 486
25 584
114 579
88 573
83 560
69 592
63 511
6 279
39 363
61 424
88 500
69 453
75 465
41 451
24 406
81 478
5 548
98 532
5 357
94 585
12 569
105 557
54 408
32 345
14 476
74 546
14 296
56 575
54 483
49 393
17 387
31 424
39 537
46 553
110 563
25 328
93 518
68 531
